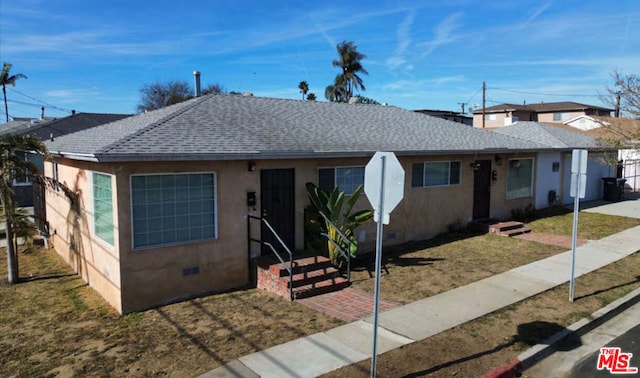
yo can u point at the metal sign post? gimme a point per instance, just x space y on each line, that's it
578 189
384 187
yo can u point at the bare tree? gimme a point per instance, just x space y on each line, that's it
158 95
216 88
624 96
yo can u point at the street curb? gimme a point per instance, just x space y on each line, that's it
535 354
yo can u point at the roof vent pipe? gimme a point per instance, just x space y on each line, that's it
196 78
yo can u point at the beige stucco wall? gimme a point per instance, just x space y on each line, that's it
71 226
548 117
133 280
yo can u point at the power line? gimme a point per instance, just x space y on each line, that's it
473 95
41 102
25 103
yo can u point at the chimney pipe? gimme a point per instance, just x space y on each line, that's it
196 78
73 112
42 112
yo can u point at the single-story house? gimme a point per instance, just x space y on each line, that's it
553 175
161 201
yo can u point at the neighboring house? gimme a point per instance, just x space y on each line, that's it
625 132
556 112
47 128
553 167
163 199
448 115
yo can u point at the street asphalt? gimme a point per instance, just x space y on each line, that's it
351 343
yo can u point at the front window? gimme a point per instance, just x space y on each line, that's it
561 117
438 173
24 177
345 178
102 207
520 178
173 209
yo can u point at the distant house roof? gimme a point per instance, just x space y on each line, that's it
46 129
548 135
543 107
237 127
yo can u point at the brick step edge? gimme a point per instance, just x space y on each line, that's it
516 231
321 287
307 278
505 226
300 266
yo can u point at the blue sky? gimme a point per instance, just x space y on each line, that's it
93 56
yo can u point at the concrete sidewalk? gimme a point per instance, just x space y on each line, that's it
326 351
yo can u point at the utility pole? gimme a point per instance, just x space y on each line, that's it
617 111
484 92
462 104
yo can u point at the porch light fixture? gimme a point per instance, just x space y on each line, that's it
251 166
498 159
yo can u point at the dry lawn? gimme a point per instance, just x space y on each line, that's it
53 324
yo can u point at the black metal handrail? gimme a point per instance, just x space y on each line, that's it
347 254
273 249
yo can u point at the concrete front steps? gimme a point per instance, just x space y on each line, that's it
311 276
504 228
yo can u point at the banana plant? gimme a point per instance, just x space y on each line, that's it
337 208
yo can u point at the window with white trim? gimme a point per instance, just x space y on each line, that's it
437 173
102 207
345 178
173 208
520 178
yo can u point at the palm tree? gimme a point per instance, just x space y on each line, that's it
349 61
12 165
10 80
304 88
338 91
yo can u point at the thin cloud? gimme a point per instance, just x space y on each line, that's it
444 34
404 41
410 85
535 15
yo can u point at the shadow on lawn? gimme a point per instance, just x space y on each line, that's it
395 255
529 334
610 288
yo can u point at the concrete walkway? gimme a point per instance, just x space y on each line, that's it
326 351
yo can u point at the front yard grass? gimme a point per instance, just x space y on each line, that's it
54 324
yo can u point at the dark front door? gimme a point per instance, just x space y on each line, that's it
277 199
482 189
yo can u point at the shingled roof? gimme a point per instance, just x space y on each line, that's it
542 107
550 136
237 127
47 129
